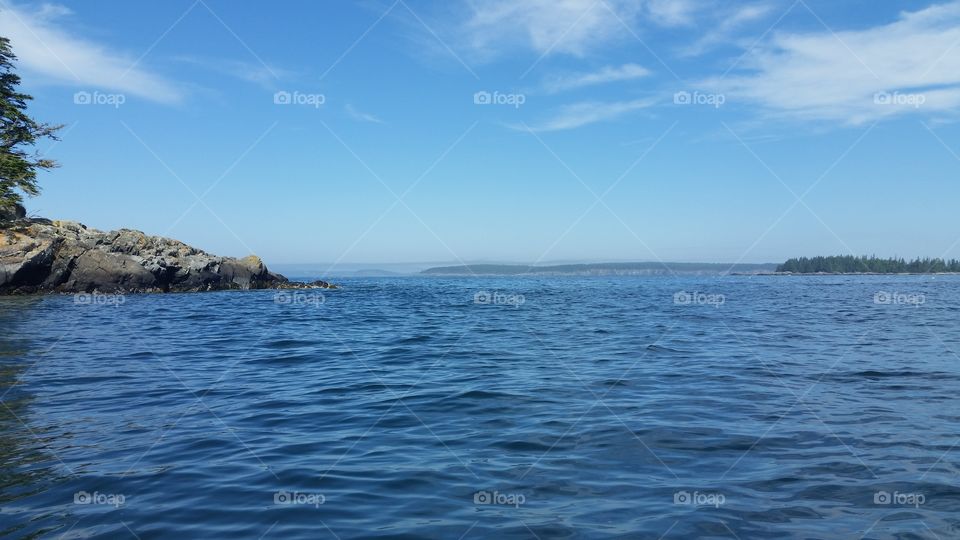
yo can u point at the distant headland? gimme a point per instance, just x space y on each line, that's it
602 269
834 265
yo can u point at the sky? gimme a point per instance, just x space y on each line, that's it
529 131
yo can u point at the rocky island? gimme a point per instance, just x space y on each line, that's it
44 256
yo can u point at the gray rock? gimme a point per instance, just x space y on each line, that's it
39 255
96 270
25 260
12 213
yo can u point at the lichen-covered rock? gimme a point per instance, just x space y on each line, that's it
24 259
40 255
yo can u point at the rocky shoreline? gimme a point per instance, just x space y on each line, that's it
44 256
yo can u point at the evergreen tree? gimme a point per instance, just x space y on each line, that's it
849 264
18 167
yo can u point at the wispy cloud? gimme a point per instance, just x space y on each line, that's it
547 26
253 72
604 75
672 12
45 48
362 116
910 66
724 30
585 113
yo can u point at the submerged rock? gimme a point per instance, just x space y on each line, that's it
39 255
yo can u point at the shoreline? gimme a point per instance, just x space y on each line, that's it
41 256
855 274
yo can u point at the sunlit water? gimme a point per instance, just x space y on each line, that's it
766 407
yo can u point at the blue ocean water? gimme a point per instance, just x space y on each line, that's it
700 407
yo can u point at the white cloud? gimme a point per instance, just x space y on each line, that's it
54 10
43 47
362 116
545 26
584 113
838 76
671 12
572 27
722 32
605 75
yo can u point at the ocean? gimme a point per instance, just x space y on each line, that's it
412 407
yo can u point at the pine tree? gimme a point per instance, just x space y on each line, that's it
872 264
18 132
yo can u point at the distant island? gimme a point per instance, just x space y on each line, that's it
849 264
602 269
841 264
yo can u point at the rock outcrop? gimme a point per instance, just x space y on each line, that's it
39 255
12 213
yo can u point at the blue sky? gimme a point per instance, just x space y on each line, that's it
505 130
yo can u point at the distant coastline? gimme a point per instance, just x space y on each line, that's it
808 266
602 269
856 274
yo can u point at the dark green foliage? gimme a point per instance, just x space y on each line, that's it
18 168
873 265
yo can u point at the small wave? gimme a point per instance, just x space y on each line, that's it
663 349
414 340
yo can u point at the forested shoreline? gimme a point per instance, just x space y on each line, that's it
849 264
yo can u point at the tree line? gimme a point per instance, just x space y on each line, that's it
874 265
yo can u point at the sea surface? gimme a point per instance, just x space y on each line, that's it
686 407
